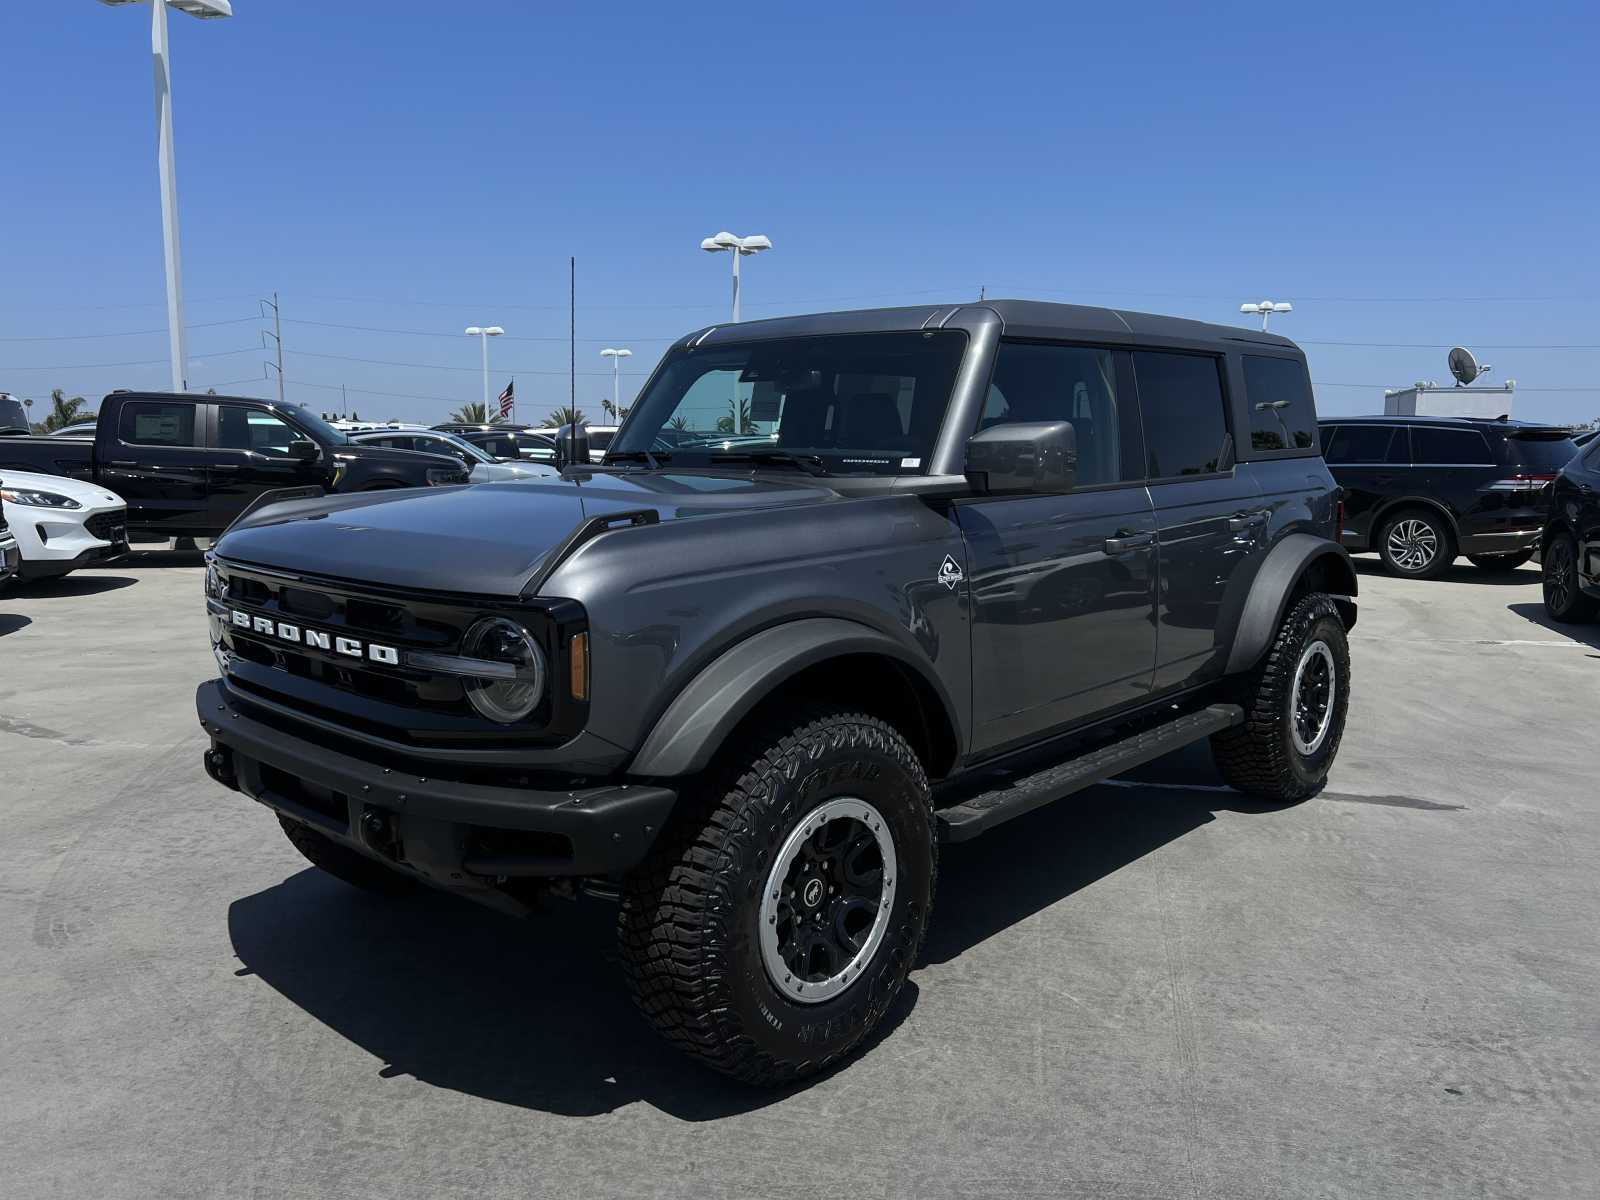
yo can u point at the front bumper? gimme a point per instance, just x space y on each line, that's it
455 834
8 556
55 541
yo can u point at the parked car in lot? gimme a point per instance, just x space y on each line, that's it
509 443
996 552
8 548
13 416
187 464
1570 555
61 524
482 466
1421 490
84 429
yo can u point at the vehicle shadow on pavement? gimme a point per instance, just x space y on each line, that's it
162 558
11 622
1585 635
1460 571
531 1013
73 585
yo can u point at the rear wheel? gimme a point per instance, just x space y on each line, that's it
1500 562
1294 703
776 920
1417 544
344 863
1563 600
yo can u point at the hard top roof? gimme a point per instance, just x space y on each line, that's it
1469 422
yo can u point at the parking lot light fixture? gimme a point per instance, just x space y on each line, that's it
616 357
207 10
483 333
740 247
1264 309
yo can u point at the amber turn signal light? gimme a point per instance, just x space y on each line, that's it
578 656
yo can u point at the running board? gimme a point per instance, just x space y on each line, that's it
971 817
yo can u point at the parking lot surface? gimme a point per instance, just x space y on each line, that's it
1151 989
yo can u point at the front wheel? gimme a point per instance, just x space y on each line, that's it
771 928
1500 562
1564 601
1295 703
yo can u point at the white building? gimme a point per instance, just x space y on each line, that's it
1431 400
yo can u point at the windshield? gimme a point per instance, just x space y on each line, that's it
868 403
319 429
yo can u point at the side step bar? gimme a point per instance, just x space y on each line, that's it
973 816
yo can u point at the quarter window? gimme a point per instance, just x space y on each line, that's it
1185 426
1282 415
1449 447
151 423
1077 384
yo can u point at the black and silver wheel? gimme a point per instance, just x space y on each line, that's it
1563 599
1500 562
1295 703
776 920
1417 544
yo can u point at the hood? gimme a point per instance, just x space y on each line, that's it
87 494
487 539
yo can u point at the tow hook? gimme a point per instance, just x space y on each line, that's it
379 835
219 765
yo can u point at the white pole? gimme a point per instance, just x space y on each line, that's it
616 393
735 251
169 197
484 338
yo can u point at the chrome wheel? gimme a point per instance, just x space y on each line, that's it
1412 543
1558 575
1313 693
827 900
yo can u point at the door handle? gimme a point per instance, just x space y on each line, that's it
123 462
224 466
1128 540
1249 521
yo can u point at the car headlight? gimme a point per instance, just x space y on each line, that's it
513 692
445 476
33 499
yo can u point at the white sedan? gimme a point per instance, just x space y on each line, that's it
62 524
484 467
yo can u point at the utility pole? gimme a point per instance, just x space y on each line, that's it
276 336
344 401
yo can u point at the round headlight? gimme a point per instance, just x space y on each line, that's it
510 696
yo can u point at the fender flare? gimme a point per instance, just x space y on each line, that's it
686 736
1273 585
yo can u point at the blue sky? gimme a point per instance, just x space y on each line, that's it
1410 174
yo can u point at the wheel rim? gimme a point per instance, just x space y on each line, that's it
1413 543
1316 687
827 901
1558 576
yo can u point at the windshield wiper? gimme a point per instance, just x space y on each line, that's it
811 464
654 460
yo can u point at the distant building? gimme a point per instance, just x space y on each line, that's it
1431 400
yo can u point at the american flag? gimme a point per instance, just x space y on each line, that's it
508 401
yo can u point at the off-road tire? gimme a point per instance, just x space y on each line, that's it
1500 562
688 928
1568 605
1259 757
341 862
1445 542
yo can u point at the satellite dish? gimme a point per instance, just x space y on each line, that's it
1463 365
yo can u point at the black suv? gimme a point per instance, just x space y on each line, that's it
1571 539
1420 490
844 586
511 442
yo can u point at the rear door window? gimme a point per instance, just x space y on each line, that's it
152 423
1185 422
1449 447
1278 394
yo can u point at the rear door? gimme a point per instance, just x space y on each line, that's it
250 454
1062 587
155 459
1211 519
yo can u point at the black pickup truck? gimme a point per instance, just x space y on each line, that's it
189 464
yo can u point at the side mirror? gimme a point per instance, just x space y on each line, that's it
1032 456
304 449
572 446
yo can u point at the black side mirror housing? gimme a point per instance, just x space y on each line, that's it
572 446
304 449
1040 457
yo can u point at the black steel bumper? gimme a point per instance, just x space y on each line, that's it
455 834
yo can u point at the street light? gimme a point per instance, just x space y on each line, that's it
1264 309
616 357
740 247
483 333
206 10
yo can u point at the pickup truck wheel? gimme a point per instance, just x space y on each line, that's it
776 920
1500 562
1295 703
344 863
1563 600
1416 544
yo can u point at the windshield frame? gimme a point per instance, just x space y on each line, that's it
308 422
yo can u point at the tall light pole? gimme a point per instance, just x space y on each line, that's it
1264 309
483 333
740 247
206 9
616 357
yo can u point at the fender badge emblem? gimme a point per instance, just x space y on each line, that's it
950 573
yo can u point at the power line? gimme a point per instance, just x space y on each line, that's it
143 362
510 337
82 337
386 362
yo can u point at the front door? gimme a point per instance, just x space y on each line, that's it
157 463
1211 518
1062 587
251 454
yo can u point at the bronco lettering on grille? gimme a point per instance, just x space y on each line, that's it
315 639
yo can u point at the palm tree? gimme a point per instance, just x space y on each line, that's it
738 418
616 414
679 422
63 412
476 413
565 415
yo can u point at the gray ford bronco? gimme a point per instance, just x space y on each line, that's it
844 587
